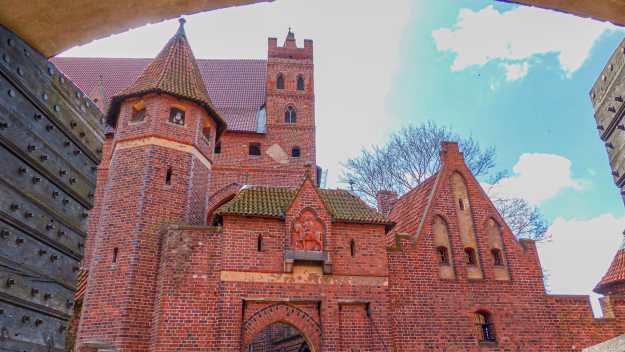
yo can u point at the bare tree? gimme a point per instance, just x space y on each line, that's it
413 154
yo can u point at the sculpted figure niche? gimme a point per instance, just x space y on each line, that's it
307 233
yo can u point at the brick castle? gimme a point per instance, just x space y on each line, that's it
211 233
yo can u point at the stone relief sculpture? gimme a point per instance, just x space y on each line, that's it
307 234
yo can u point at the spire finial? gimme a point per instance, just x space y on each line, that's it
182 21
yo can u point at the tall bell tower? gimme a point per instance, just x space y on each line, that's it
160 169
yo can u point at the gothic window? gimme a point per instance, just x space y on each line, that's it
300 82
469 255
352 248
280 81
460 204
484 327
497 257
218 148
290 115
296 152
138 112
443 255
176 116
115 252
254 149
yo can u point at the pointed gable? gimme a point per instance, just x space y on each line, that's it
174 71
615 274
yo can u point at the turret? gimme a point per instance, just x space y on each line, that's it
613 282
160 168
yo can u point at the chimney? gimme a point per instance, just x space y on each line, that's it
450 153
386 200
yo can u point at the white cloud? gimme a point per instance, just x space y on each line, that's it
537 177
517 36
354 60
579 252
515 71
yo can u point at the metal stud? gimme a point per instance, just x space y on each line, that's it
618 98
85 215
42 252
44 96
36 179
38 322
28 215
62 172
82 134
5 57
34 291
46 296
31 148
49 227
76 152
53 257
56 108
69 303
62 79
65 201
25 319
43 157
3 125
26 52
55 194
21 170
80 245
19 241
11 42
20 71
37 117
60 233
49 128
66 144
99 151
72 180
4 234
90 195
10 282
62 328
74 269
14 207
611 109
11 93
94 168
50 71
73 124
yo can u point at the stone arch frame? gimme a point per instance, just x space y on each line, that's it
282 313
219 198
324 235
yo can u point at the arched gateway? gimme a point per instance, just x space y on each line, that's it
281 324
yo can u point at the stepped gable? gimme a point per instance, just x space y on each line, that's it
615 273
272 202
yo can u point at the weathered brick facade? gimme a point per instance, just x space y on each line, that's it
195 251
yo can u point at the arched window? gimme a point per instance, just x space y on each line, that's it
300 82
296 152
443 255
497 257
352 248
168 175
138 112
280 81
290 115
469 255
176 116
484 327
460 204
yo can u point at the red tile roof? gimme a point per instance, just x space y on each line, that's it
236 87
410 208
615 274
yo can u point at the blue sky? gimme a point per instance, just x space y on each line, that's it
513 77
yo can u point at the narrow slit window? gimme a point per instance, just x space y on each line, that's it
259 243
206 131
176 116
217 148
497 257
460 204
352 248
115 252
254 149
470 258
443 255
168 176
300 82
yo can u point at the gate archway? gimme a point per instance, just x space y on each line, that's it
286 319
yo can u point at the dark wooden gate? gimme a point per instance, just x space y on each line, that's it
50 144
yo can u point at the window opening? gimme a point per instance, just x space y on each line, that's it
218 148
300 82
259 243
115 251
280 81
470 256
352 248
497 257
168 176
295 152
443 255
254 149
176 116
485 327
290 115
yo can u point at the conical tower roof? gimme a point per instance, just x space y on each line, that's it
174 71
615 274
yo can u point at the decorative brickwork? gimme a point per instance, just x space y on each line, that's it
193 250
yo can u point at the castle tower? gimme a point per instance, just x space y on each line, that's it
159 172
613 282
291 99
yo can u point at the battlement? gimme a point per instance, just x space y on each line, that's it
289 49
